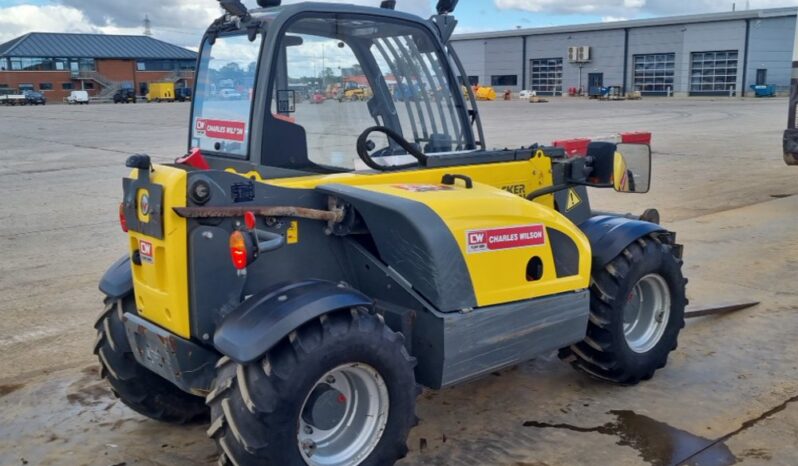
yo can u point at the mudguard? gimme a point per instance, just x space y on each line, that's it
267 317
117 282
609 235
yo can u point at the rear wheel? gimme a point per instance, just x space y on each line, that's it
136 386
636 313
338 391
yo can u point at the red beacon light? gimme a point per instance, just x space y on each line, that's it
249 220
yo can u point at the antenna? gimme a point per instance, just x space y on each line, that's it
147 25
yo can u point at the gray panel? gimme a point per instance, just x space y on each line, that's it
721 36
606 55
453 348
634 24
182 362
770 47
663 39
472 55
504 57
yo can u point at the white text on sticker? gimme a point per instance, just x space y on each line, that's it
495 239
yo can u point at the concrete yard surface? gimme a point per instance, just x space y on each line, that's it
729 394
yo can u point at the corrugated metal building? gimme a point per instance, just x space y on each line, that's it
698 55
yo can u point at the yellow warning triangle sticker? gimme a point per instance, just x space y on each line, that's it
573 199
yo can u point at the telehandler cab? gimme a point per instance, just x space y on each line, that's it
302 296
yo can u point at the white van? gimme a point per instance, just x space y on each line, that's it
78 97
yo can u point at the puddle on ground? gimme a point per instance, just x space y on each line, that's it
658 443
90 390
8 388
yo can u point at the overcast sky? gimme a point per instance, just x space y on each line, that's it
183 21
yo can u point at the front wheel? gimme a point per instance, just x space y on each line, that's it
339 391
637 306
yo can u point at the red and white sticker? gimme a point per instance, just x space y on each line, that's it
495 239
423 188
221 129
145 251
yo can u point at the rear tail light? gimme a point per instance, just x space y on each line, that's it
122 218
238 250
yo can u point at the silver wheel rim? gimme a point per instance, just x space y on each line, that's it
646 313
343 416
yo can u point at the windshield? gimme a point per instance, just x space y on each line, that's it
341 75
225 89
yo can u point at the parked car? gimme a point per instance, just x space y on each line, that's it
125 96
78 97
230 94
35 98
183 94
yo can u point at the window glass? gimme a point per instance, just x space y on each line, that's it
45 86
348 74
545 76
504 80
25 87
654 73
713 73
67 86
225 89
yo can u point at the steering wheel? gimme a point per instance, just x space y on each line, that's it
363 147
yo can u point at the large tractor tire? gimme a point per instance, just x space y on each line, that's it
636 313
139 388
338 391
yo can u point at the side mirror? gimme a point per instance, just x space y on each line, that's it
632 168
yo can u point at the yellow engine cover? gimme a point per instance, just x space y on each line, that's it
496 201
499 234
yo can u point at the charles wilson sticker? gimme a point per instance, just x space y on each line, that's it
495 239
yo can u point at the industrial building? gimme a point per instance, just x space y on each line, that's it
719 54
57 64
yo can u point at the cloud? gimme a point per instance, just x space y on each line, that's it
612 19
180 22
21 19
632 8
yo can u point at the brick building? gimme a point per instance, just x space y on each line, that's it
56 64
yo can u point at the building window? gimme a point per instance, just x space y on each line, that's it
713 73
159 65
25 87
45 86
88 85
545 76
37 64
653 73
82 65
504 80
67 86
472 80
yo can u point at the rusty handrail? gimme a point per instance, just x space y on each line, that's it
334 216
